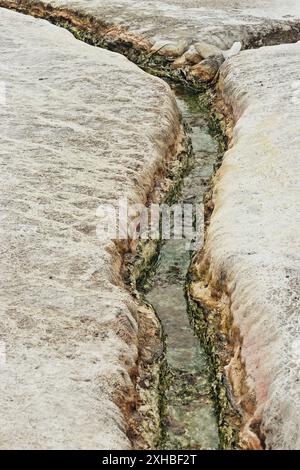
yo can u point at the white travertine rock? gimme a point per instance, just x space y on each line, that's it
218 22
201 50
54 364
234 50
253 239
81 126
207 50
170 49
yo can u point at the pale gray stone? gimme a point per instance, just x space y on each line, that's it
217 22
253 238
81 127
207 50
234 50
174 49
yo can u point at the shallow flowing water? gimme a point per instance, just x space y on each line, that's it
189 417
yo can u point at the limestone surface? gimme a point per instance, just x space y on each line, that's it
80 127
219 22
253 240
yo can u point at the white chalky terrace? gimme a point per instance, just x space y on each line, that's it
81 126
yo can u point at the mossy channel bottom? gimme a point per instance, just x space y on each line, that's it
189 420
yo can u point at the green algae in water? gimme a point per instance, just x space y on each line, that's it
188 415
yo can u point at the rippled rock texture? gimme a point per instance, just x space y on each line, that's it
81 126
220 22
194 36
252 250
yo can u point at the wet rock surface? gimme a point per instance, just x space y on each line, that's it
252 250
80 126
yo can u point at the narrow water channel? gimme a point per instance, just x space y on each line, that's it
189 420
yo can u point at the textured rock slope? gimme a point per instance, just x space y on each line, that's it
220 22
60 349
80 126
253 240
